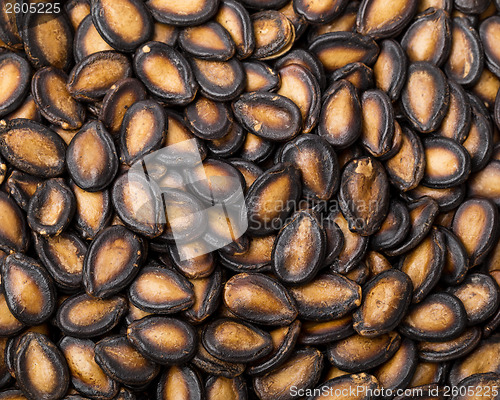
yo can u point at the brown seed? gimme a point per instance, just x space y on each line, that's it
234 341
9 32
439 316
270 116
456 263
182 382
256 258
41 370
284 340
465 63
21 187
299 85
364 195
236 20
479 295
188 149
280 185
274 34
306 59
302 371
13 228
29 290
142 130
209 364
161 291
208 119
15 84
299 249
165 33
339 121
427 373
376 263
376 18
185 217
259 299
319 13
358 353
422 214
429 38
92 170
359 74
88 40
163 340
406 168
112 261
93 211
86 375
394 228
354 246
27 110
485 182
84 316
260 77
51 208
230 143
256 149
317 333
77 11
94 75
486 87
338 49
32 148
118 99
47 38
327 297
9 325
385 301
483 359
209 41
475 7
424 264
217 387
121 361
165 73
185 14
317 163
390 68
451 349
378 122
193 259
475 223
482 383
206 297
124 24
358 274
219 80
143 217
53 99
396 372
456 123
479 143
425 96
334 241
